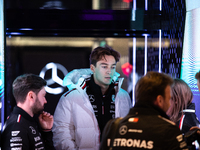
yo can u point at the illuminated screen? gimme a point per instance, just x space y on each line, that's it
191 55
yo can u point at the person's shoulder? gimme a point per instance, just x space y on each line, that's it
72 92
191 120
123 95
111 123
69 92
16 122
122 91
167 121
168 125
70 96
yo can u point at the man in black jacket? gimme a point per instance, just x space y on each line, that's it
20 130
146 126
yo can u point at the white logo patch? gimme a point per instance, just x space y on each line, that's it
16 139
179 138
91 98
123 130
15 144
16 148
36 138
122 142
15 133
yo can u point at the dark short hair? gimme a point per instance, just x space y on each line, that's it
197 76
151 85
26 83
100 52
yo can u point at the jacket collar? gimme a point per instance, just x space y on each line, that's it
190 108
77 79
18 110
148 108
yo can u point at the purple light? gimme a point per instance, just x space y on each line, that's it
97 17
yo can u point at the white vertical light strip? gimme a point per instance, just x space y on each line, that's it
134 71
145 54
95 4
160 40
160 5
134 4
2 80
146 4
134 10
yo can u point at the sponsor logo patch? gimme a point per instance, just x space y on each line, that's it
37 138
179 138
38 144
122 142
16 148
15 144
15 133
183 144
135 130
16 139
133 120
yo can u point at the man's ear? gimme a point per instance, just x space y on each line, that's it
31 96
92 67
159 101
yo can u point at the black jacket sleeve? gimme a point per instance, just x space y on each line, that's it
47 139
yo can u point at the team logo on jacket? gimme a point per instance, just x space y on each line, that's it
32 130
113 98
123 130
91 98
133 120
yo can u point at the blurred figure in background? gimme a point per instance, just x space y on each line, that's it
182 110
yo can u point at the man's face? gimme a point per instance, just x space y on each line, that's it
40 101
166 102
104 71
198 84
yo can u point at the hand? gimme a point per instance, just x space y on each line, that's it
46 120
195 127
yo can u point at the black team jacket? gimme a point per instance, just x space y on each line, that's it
21 132
145 127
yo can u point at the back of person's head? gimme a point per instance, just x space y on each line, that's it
197 76
151 85
25 83
100 52
181 97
